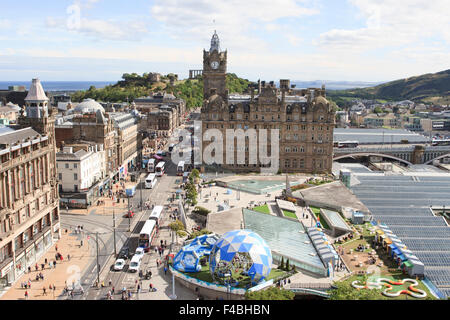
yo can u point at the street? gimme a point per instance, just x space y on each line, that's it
103 225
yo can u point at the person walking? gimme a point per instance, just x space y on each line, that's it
54 264
68 257
26 294
56 247
44 291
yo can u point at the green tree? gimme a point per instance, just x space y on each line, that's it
273 293
377 110
287 265
281 266
344 291
196 234
176 225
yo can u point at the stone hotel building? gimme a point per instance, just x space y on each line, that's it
29 213
304 118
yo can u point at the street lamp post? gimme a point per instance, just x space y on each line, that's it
173 296
114 230
129 215
98 264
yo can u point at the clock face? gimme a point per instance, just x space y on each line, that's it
214 64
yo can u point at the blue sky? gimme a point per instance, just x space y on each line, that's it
364 40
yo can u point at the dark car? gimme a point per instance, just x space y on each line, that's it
124 253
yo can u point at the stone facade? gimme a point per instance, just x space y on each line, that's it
161 112
29 211
304 118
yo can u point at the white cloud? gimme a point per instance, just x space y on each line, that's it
235 20
5 24
392 22
102 29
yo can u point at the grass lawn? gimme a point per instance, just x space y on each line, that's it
263 209
289 214
322 220
405 286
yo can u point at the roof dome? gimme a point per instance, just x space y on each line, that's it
321 100
36 92
244 246
88 106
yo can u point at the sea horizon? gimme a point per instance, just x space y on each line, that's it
58 85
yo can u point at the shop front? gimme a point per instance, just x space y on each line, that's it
20 264
30 255
6 275
48 239
56 230
39 247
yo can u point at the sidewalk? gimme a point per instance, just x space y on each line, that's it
65 271
105 205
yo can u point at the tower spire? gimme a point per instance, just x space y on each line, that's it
215 42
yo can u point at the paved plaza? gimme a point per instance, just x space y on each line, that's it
66 272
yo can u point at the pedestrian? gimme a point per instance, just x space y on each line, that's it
42 266
54 264
45 260
81 243
36 266
165 269
112 290
56 247
150 287
68 257
129 294
29 283
139 288
110 282
50 265
44 291
26 295
29 269
61 257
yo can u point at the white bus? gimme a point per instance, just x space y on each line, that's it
151 165
160 169
150 181
146 235
156 214
180 168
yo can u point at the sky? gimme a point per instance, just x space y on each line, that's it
341 40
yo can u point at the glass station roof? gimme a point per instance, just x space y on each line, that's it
285 237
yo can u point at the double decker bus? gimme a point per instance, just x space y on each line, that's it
160 168
156 214
147 234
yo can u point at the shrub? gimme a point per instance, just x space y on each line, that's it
201 211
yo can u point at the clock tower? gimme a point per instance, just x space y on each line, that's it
214 70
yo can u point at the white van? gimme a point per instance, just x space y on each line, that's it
135 263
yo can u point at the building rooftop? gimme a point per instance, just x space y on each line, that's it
403 202
377 136
285 237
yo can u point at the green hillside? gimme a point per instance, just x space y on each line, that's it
432 87
134 86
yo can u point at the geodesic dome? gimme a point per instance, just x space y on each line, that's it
240 250
188 258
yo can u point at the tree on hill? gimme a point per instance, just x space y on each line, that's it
273 293
344 291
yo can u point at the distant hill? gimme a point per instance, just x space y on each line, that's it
431 87
333 85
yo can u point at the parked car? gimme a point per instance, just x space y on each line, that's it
124 253
135 263
139 252
118 266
